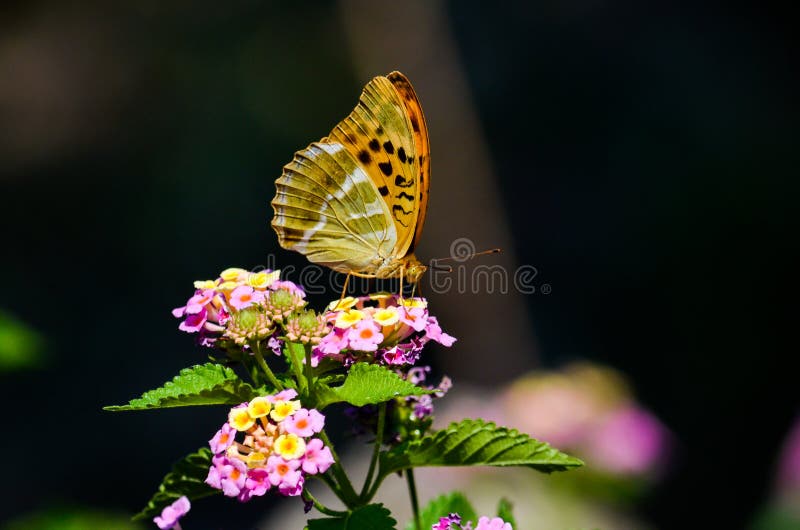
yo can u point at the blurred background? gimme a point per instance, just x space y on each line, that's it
641 157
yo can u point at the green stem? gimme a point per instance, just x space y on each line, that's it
347 493
412 492
263 364
321 507
307 369
376 450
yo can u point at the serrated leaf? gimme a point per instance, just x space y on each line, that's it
369 384
370 517
476 443
187 477
203 384
454 502
505 512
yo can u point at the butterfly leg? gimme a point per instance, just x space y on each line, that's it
344 290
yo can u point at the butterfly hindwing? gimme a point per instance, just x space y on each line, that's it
327 208
380 134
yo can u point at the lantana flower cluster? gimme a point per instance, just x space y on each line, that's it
382 327
240 307
453 522
278 449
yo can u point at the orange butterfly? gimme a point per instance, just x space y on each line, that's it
355 201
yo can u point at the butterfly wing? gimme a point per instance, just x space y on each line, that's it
422 147
328 208
386 133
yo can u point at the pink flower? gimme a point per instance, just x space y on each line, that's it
434 332
416 317
284 474
283 395
170 514
222 440
288 286
334 342
193 322
318 458
365 335
290 490
227 474
304 422
484 523
629 440
245 296
256 485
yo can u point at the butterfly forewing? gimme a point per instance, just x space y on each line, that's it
422 148
327 208
380 134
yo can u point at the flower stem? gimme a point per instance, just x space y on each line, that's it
376 451
321 507
346 491
412 492
307 369
263 364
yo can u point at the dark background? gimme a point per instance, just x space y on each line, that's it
646 156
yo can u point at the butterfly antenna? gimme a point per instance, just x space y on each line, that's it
466 258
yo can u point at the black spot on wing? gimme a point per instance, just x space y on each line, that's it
364 157
401 182
414 121
379 131
401 154
404 195
398 210
375 145
389 148
386 168
384 190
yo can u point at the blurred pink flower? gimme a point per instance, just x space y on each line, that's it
628 440
789 462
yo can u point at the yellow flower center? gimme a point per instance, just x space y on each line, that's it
282 409
386 317
346 303
348 318
232 274
263 279
240 419
259 407
290 446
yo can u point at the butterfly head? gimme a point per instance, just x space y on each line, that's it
414 269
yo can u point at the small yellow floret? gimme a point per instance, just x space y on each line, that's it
259 407
255 459
386 317
415 302
346 303
233 274
228 286
348 318
205 284
282 409
263 279
290 446
240 419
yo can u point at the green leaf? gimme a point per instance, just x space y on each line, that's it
206 384
444 505
368 384
370 517
504 512
476 443
187 477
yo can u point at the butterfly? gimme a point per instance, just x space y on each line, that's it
355 201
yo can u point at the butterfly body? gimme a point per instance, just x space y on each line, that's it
355 201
